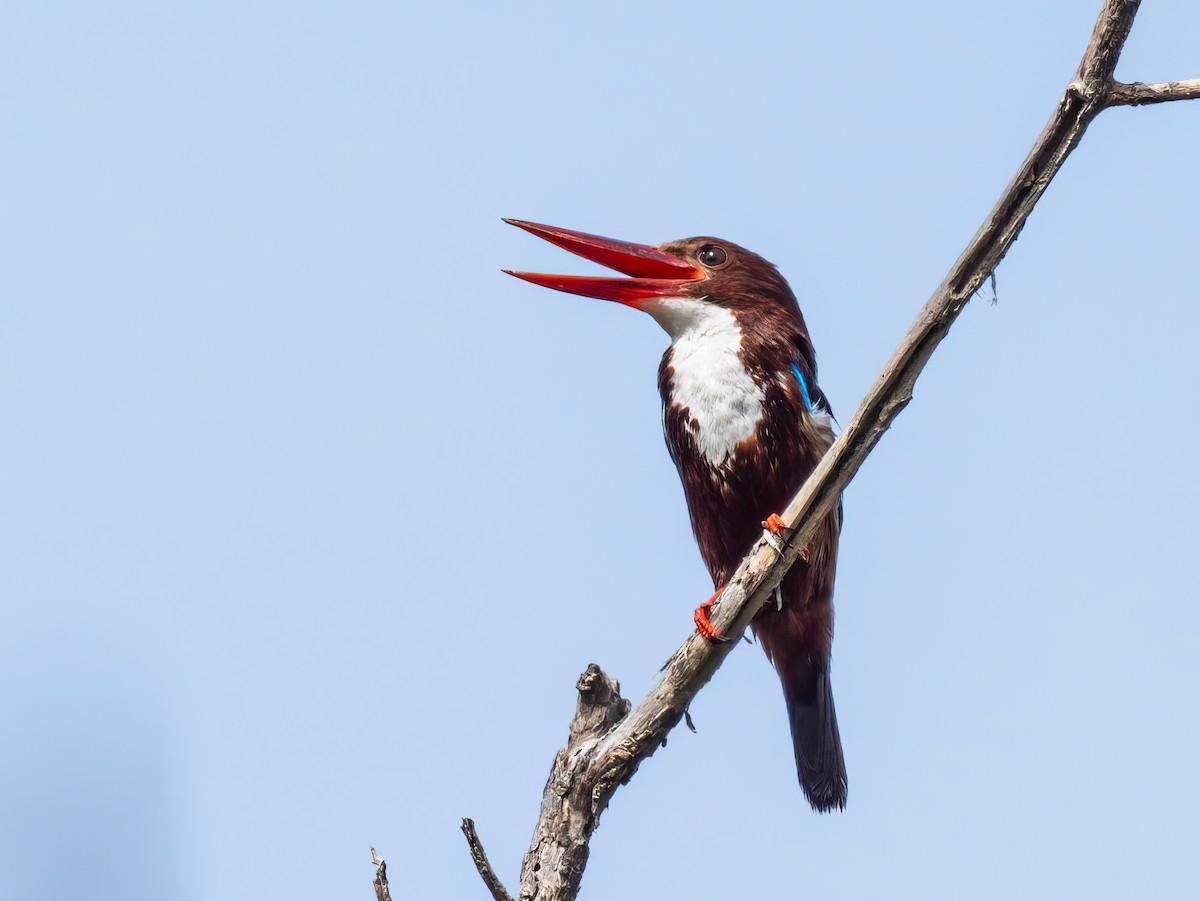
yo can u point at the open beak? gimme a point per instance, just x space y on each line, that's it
654 273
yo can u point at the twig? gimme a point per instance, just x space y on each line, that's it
490 879
588 771
382 892
1137 94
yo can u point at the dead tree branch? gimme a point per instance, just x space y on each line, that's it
482 864
382 892
606 746
1138 94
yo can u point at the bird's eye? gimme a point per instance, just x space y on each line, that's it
711 255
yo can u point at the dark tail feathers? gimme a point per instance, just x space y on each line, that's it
819 761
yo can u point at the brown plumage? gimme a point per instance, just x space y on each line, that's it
728 501
745 423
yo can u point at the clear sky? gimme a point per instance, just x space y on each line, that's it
311 517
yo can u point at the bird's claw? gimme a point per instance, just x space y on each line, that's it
704 625
774 523
774 530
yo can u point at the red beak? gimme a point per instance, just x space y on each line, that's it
655 273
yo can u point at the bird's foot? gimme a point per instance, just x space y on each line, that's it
703 625
775 530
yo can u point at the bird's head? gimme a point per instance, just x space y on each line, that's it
673 282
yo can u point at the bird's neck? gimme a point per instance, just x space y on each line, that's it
709 380
719 382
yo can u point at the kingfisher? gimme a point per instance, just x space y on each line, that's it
745 423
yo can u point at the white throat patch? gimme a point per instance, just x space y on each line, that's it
724 403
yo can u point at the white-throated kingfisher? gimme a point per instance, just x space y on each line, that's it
745 423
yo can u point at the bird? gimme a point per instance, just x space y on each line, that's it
745 423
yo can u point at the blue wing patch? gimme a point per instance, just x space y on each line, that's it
803 386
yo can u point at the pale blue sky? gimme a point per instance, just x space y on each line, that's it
312 517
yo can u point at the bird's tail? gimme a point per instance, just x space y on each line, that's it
819 761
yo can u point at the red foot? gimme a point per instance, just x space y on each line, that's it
703 625
773 524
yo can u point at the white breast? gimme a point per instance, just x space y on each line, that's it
723 402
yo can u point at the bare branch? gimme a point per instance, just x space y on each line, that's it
600 756
1108 39
572 800
382 892
1137 94
482 864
